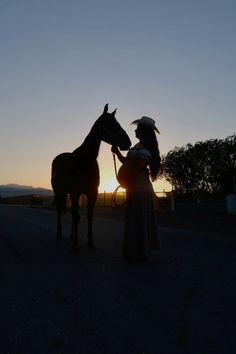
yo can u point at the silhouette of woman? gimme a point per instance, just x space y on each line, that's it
141 228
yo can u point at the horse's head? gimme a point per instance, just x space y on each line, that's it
111 131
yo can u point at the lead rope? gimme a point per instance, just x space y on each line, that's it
114 194
114 160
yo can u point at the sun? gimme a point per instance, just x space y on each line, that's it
108 185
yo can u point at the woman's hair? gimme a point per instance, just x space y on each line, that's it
148 138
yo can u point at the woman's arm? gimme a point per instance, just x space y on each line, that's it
116 151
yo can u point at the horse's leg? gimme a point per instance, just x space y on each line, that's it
60 205
92 197
75 221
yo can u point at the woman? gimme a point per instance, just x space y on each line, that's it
141 228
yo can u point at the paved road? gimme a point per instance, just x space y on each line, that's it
55 302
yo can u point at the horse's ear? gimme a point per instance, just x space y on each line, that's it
105 108
113 113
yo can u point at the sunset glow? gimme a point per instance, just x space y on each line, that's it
108 185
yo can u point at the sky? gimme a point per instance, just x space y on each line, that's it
62 60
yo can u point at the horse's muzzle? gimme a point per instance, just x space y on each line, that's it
122 141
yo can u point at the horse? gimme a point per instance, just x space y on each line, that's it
76 173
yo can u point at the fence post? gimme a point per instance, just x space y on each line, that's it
172 200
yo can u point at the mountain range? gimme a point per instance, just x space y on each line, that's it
14 190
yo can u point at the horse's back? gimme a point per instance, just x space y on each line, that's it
61 158
70 174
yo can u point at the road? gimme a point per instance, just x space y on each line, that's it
55 302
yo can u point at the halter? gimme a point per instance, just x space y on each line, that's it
108 132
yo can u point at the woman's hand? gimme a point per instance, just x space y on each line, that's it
115 149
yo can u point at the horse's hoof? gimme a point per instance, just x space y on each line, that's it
91 245
58 237
74 249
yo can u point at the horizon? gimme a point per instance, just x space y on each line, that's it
110 186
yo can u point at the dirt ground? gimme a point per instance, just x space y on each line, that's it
53 302
217 222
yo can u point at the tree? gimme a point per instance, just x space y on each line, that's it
206 167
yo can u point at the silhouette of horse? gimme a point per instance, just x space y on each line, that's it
76 173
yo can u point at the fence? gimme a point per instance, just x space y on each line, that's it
106 199
165 202
115 199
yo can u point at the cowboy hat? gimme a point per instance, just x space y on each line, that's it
146 121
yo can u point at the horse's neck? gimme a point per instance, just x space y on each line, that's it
91 144
90 147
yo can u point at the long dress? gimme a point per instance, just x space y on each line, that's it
141 226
